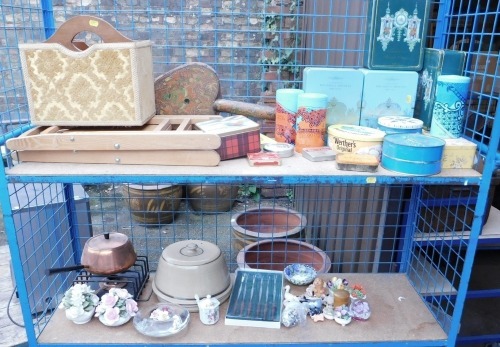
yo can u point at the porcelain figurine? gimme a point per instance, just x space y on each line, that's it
317 288
343 315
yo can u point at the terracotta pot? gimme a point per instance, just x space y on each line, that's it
153 204
277 254
257 224
211 198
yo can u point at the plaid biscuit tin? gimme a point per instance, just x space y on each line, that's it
239 135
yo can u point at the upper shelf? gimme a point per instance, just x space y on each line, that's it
295 169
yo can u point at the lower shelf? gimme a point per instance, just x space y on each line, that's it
398 315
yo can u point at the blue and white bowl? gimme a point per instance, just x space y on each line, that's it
300 274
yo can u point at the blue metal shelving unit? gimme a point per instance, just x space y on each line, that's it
382 224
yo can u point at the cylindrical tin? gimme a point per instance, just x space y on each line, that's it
284 150
449 106
400 124
311 120
346 138
286 114
413 154
415 147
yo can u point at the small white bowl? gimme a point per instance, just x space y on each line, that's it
300 274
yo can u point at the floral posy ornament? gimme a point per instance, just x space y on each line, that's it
116 307
79 301
357 292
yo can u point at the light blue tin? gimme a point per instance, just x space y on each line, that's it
417 168
413 147
400 124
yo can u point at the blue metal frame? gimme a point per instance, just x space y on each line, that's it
408 243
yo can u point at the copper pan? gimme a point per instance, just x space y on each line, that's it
105 254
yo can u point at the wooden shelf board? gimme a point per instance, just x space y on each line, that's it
293 166
490 231
392 320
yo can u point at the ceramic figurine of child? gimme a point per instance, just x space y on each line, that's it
318 288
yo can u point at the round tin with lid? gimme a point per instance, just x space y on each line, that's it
416 147
413 154
191 267
400 124
284 150
346 138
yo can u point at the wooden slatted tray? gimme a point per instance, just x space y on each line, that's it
164 140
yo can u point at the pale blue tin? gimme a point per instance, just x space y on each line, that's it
400 124
413 147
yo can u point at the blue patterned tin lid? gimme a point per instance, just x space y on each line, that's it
400 122
414 140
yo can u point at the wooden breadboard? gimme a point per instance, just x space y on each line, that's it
164 140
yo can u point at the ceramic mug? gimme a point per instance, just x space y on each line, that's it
449 106
209 309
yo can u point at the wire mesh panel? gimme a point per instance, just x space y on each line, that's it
419 230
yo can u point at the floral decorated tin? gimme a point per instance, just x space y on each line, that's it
459 153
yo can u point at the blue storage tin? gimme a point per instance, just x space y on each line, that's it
417 168
414 154
414 147
400 124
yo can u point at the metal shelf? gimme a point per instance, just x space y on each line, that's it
295 170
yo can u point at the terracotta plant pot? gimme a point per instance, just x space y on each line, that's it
266 223
153 204
277 254
211 198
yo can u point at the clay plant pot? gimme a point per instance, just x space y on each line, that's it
211 198
153 204
277 254
262 223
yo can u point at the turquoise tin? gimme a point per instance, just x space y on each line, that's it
344 88
413 147
417 168
400 124
413 154
437 62
396 33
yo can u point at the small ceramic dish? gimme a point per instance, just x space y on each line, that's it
161 320
300 274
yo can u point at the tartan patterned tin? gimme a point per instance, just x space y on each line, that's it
239 135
